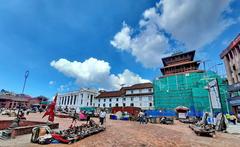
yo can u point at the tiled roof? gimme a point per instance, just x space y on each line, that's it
139 86
139 94
122 91
14 98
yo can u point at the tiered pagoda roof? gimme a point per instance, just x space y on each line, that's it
181 62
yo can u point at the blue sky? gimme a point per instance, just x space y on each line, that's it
111 42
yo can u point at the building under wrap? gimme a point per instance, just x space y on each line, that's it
182 84
187 90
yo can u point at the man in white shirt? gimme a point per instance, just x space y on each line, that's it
141 119
102 116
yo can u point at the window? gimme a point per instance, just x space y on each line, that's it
149 90
103 105
150 104
110 105
98 100
124 99
124 105
81 101
116 104
91 99
140 104
131 104
87 103
140 90
110 100
98 105
82 95
131 98
75 98
104 100
117 99
71 100
140 98
131 91
150 98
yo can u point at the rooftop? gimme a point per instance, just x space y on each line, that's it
230 46
122 91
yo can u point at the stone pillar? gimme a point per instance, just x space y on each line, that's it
228 70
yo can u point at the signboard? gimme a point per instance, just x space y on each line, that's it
182 115
214 94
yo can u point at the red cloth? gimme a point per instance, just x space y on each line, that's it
59 138
82 116
50 110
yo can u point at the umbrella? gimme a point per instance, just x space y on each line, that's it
181 108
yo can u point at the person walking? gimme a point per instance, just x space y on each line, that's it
88 117
102 116
74 117
140 116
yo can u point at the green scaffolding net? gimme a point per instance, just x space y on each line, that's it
188 90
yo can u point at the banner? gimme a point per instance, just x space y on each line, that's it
214 94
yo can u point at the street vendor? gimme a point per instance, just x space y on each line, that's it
233 119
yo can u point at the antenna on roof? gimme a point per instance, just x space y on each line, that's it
176 52
122 85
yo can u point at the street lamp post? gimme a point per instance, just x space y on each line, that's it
24 84
215 67
25 79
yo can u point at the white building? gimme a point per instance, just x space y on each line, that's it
138 95
76 99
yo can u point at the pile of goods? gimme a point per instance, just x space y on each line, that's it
6 134
167 120
203 127
73 134
191 120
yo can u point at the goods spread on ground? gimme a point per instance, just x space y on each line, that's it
44 135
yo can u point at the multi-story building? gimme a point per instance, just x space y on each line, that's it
231 58
77 99
183 84
12 100
138 95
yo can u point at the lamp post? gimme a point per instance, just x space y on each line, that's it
25 79
215 67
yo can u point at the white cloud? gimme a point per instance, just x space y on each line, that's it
195 23
65 87
51 82
148 46
189 22
122 39
95 72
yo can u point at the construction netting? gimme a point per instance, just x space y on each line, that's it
189 90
